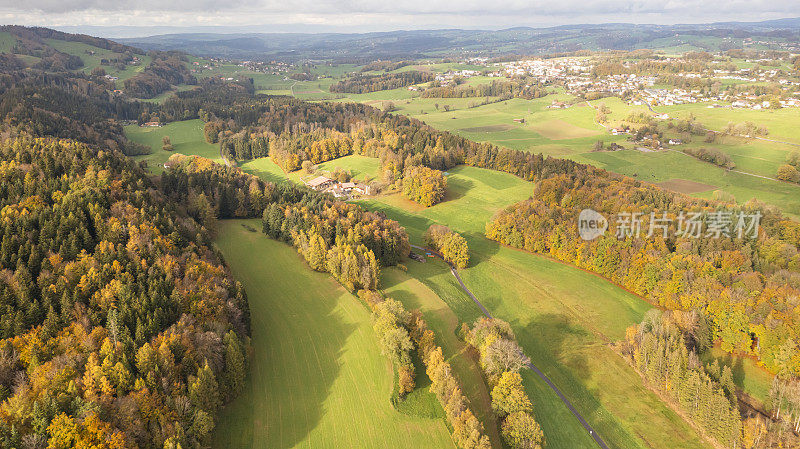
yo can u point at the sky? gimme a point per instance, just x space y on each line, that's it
381 15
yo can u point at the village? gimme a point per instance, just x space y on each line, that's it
576 75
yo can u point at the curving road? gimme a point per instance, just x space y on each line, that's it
533 367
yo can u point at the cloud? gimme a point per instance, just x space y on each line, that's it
399 13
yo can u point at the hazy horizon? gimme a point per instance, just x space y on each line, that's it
369 15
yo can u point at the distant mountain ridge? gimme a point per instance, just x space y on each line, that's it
443 42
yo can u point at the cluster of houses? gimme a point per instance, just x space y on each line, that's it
271 67
449 76
338 189
546 70
575 74
668 97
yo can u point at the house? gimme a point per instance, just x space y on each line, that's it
675 142
364 189
152 124
320 183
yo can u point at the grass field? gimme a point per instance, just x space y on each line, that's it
267 170
361 167
407 289
571 133
318 379
507 284
7 41
186 137
564 318
160 98
92 55
661 166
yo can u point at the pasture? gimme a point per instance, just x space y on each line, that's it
316 368
406 288
92 57
662 166
564 318
685 186
186 137
572 132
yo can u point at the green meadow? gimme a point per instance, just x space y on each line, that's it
92 55
415 295
186 137
316 368
663 166
565 319
571 133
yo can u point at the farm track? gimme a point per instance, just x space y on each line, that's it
533 367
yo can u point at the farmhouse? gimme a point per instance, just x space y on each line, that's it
320 183
152 124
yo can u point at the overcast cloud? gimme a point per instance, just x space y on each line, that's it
368 15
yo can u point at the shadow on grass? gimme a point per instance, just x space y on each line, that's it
557 347
298 341
457 187
265 175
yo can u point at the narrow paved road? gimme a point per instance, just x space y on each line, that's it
536 370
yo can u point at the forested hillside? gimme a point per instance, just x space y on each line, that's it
70 106
745 286
120 325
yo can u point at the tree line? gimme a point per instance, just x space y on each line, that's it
744 284
362 84
501 359
658 350
712 155
527 89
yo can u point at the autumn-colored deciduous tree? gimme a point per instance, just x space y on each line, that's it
424 185
788 173
451 245
521 431
508 396
65 432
